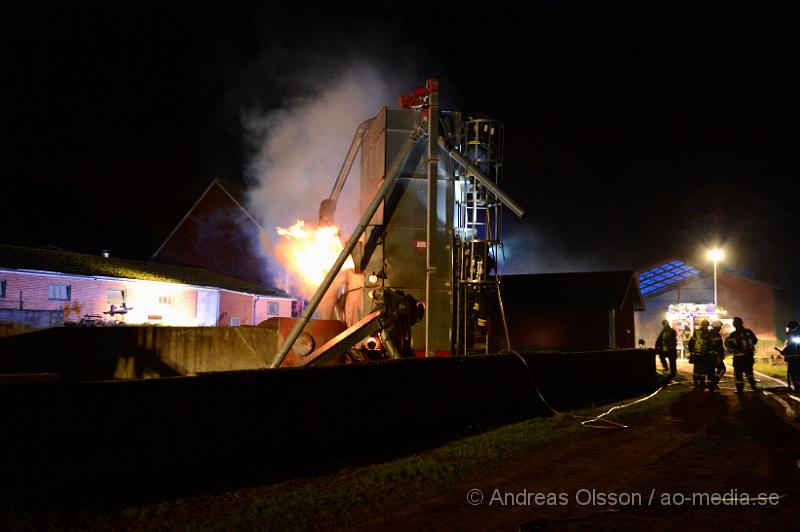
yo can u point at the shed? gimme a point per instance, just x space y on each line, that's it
575 311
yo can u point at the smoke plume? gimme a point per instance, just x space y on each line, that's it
540 251
299 146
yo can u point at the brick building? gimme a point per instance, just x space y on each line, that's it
149 293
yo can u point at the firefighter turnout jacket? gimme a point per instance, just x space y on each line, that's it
792 347
698 344
741 343
667 341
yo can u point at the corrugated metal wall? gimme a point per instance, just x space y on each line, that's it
219 236
396 237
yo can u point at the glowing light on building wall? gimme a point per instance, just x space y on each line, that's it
161 303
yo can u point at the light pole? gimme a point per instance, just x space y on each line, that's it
715 255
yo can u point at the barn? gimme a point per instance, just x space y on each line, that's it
218 234
683 292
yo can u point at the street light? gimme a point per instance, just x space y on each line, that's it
715 255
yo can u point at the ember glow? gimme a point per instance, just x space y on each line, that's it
308 252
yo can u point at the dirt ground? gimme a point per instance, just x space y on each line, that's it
714 461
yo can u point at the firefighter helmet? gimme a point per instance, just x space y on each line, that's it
792 325
704 323
737 322
716 324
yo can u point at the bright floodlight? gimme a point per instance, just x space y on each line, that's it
715 255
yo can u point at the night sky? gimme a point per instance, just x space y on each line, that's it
635 131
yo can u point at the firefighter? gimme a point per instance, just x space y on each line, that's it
791 352
698 355
667 348
741 344
716 355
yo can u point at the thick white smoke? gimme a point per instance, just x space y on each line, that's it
300 147
303 144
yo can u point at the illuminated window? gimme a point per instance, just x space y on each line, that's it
115 297
2 289
59 292
165 300
235 321
272 309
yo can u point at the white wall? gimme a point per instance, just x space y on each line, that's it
207 305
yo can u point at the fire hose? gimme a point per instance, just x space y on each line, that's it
613 424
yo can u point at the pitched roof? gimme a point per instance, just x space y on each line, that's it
94 265
611 289
237 192
665 276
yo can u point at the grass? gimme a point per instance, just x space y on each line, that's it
774 370
351 495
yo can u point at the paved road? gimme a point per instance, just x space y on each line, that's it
712 461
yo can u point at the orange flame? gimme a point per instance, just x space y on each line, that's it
308 252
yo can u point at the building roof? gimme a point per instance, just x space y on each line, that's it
611 289
235 191
665 276
20 258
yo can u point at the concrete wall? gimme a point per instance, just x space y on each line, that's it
147 433
128 352
570 379
37 319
